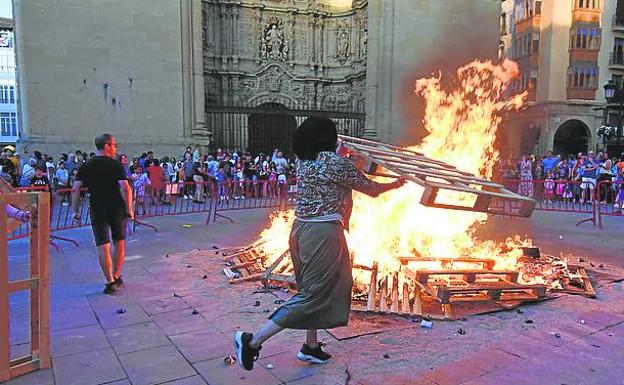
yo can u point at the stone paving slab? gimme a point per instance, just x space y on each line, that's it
156 365
72 318
137 337
78 340
195 380
110 317
87 368
216 372
180 322
163 304
287 368
202 345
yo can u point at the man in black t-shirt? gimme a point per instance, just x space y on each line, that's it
105 178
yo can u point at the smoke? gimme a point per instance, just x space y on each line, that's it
463 30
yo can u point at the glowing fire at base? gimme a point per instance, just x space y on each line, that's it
462 124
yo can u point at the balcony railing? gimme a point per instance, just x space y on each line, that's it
616 58
617 22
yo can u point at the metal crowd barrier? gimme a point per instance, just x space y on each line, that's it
174 199
609 199
36 284
237 195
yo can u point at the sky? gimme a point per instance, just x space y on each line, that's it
5 9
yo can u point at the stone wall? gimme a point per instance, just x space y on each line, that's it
409 39
91 66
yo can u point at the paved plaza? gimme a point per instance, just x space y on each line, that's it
181 313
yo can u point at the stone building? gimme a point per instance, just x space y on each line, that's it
162 74
9 129
567 51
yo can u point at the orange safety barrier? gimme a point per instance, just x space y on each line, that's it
37 284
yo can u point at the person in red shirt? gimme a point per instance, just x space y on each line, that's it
157 181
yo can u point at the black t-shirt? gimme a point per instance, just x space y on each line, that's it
227 167
40 181
101 175
250 170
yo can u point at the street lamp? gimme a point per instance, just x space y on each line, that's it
614 94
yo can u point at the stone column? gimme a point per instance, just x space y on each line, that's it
194 119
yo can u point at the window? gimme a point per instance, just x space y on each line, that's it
585 38
503 24
6 39
617 79
8 124
583 77
7 94
618 51
527 8
536 36
587 4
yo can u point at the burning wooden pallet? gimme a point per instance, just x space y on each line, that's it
450 287
577 283
280 272
405 291
438 177
244 263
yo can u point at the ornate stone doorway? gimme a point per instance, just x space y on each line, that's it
571 137
271 127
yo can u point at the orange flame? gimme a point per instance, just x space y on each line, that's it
462 124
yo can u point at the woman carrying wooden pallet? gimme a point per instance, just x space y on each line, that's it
317 244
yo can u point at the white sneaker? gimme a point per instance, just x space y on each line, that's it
186 197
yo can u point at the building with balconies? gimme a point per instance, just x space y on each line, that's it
566 51
9 126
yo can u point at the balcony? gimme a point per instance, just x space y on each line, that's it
617 24
616 60
581 93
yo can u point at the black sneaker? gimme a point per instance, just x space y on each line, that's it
315 356
245 354
118 281
109 288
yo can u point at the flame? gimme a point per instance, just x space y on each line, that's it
462 121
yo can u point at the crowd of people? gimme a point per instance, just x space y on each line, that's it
233 174
573 179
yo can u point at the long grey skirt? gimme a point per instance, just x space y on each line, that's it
323 271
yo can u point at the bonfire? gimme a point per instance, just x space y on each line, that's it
400 246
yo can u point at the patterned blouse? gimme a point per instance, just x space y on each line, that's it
325 186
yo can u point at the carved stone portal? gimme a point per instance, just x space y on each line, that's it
274 45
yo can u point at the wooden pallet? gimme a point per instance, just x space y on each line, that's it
245 263
448 263
580 285
436 176
281 272
449 287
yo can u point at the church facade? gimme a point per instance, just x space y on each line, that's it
163 74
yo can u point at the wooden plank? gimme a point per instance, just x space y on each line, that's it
23 284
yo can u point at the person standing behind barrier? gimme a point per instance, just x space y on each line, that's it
157 180
526 177
140 182
187 168
198 172
588 177
62 182
105 178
